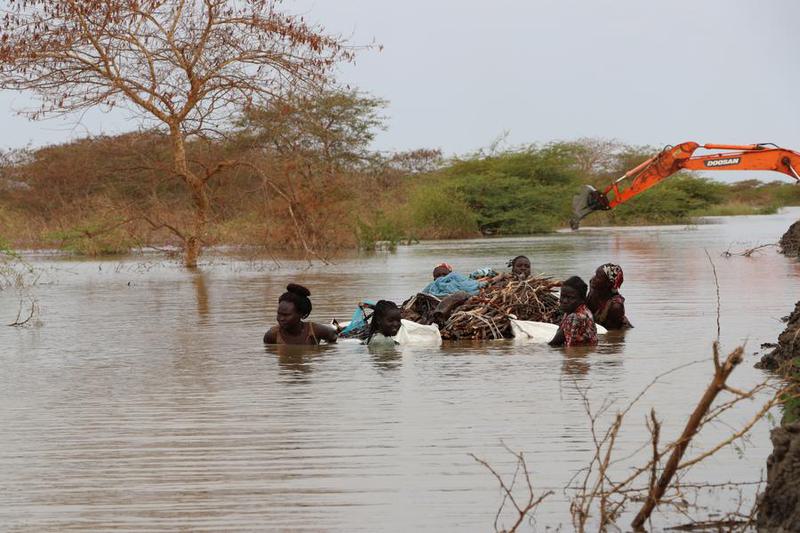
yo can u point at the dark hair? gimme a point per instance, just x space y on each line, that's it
298 295
578 284
510 264
381 308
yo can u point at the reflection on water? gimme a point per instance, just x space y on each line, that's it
146 401
297 359
201 293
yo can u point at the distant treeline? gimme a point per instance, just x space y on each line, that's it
300 175
529 190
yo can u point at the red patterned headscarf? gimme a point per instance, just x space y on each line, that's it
614 273
448 266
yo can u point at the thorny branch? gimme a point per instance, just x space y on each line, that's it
598 497
749 251
523 509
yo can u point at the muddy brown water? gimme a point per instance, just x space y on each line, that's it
145 400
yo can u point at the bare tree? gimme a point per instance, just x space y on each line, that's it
307 149
187 65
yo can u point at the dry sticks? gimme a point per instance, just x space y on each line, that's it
522 508
21 320
487 315
599 497
718 384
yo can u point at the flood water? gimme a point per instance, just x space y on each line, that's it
145 399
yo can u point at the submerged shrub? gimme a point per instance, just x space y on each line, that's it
378 227
439 212
95 237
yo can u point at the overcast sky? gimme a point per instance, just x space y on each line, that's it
459 73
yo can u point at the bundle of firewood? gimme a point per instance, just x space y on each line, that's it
486 316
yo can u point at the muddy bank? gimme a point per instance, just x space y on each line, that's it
788 346
790 241
779 510
780 507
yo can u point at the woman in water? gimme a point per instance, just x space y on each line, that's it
384 325
293 306
577 328
604 300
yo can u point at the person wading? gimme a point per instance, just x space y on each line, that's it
604 300
385 323
293 306
577 328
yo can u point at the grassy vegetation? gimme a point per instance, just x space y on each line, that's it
530 191
302 177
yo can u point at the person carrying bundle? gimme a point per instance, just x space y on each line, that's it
446 282
577 328
604 300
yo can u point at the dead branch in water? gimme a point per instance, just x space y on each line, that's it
721 373
598 496
522 509
716 284
731 522
749 251
32 312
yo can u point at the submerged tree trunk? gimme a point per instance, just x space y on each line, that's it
193 241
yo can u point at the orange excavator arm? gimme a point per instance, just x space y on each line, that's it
673 159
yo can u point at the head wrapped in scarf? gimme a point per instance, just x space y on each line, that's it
442 269
614 274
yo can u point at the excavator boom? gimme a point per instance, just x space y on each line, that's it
681 157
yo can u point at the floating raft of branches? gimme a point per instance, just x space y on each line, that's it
486 316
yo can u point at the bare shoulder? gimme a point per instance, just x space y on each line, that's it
271 336
323 331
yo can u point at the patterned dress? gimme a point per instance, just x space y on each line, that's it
579 328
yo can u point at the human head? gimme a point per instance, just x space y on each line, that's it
293 306
607 278
520 267
441 269
573 294
385 319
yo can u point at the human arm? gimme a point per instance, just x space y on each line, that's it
559 339
615 317
495 278
271 336
325 333
483 273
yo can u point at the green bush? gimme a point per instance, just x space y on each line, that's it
517 192
677 199
379 227
440 212
505 204
783 194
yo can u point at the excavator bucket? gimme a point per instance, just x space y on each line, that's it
585 202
